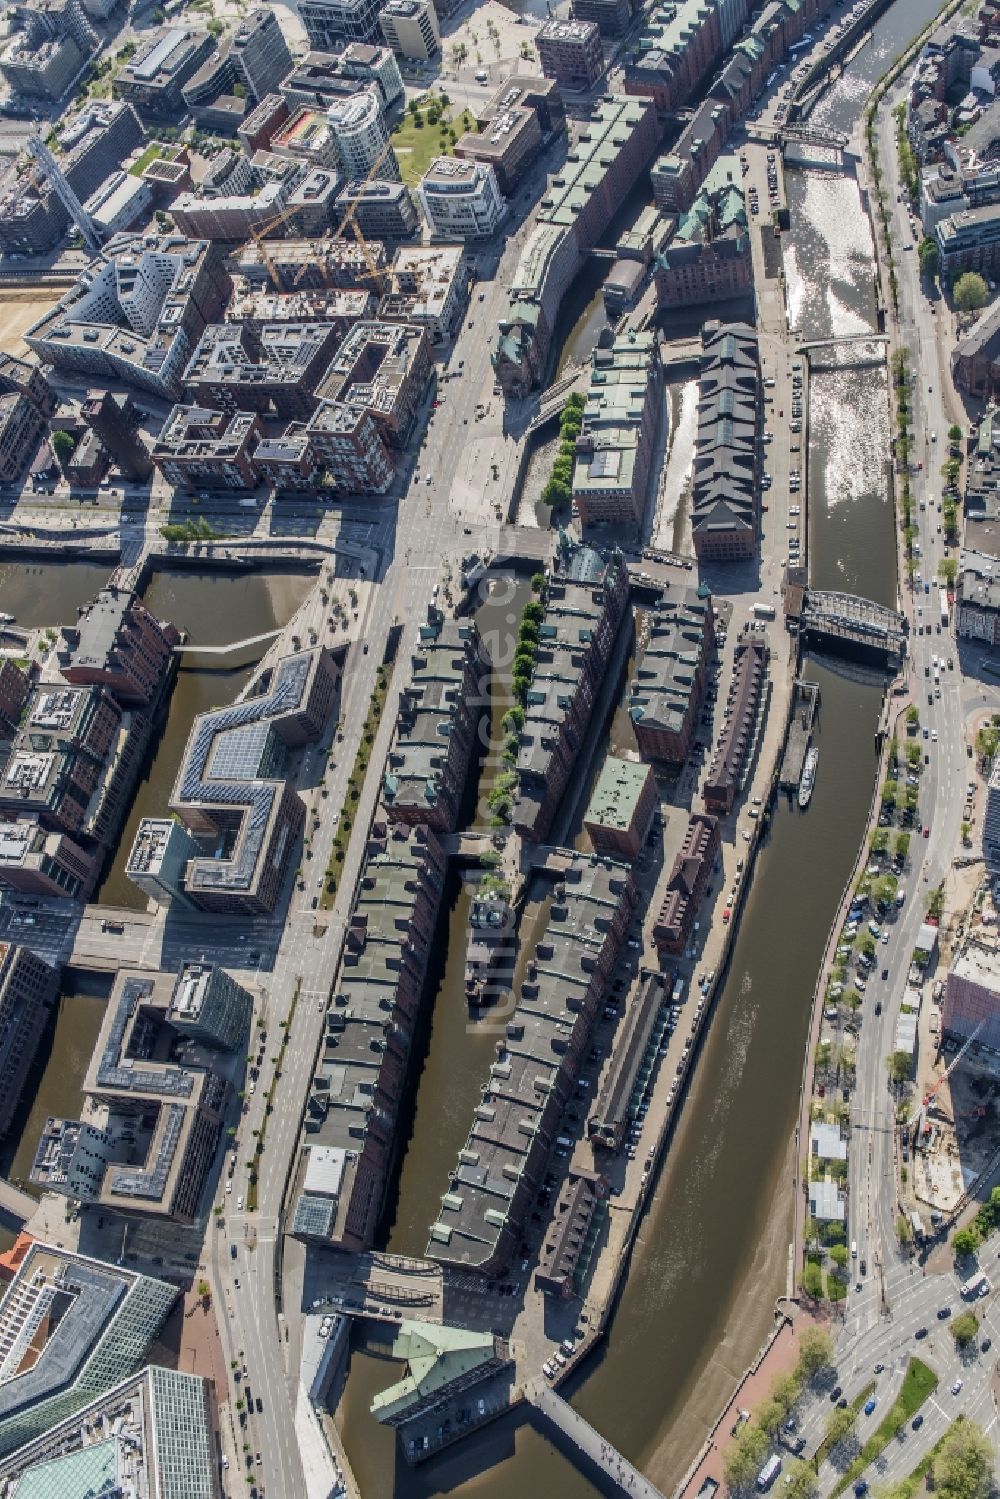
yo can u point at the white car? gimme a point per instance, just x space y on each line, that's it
956 1387
934 735
885 939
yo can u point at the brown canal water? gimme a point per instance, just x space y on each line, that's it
712 1251
213 608
55 1081
48 593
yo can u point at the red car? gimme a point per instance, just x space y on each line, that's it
927 831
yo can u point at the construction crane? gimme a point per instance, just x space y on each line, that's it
930 1097
259 235
375 272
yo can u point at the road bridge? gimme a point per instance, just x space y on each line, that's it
851 351
843 621
814 135
15 1206
380 1285
554 398
590 1442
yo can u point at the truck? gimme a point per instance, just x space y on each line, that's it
768 1473
944 606
763 611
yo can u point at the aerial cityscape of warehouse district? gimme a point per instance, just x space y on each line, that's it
499 749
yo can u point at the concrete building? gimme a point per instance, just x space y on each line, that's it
571 52
501 1166
668 683
584 604
159 859
42 71
278 376
615 146
255 309
634 1043
512 128
119 203
27 989
725 500
68 761
117 644
158 1439
200 449
263 122
362 137
24 377
690 874
15 686
137 313
323 78
977 598
461 199
430 290
109 1317
991 820
230 792
346 444
969 241
334 23
381 210
411 28
351 1115
428 762
709 259
381 369
306 135
621 808
620 423
294 265
612 17
153 78
745 704
21 428
250 62
155 1106
972 991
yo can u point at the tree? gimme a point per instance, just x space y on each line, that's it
538 582
812 1281
62 445
970 292
900 1065
965 1241
743 1460
838 1253
800 1481
839 1426
986 742
815 1351
964 1329
955 433
912 716
929 256
902 844
904 1231
963 1468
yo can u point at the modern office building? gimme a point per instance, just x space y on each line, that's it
381 369
38 862
511 133
156 1106
571 52
428 762
362 137
334 23
153 78
501 1166
15 686
411 28
725 498
461 199
621 419
601 166
117 644
276 376
585 603
745 704
151 1434
323 78
230 791
137 312
621 808
969 241
199 448
381 210
159 858
351 1115
115 419
41 71
306 135
612 17
74 1328
991 820
691 872
65 763
668 683
346 447
251 61
27 988
972 991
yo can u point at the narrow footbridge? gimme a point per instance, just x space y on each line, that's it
224 650
590 1442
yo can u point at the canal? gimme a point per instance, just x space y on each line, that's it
712 1252
40 594
212 608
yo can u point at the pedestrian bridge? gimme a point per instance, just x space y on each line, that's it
590 1442
851 351
224 650
15 1206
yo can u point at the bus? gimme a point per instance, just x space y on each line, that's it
768 1473
944 606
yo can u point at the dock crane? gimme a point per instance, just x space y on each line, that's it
932 1094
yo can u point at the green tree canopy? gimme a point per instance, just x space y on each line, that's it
743 1460
62 445
970 292
900 1065
929 257
948 570
964 1329
963 1469
815 1351
965 1241
839 1426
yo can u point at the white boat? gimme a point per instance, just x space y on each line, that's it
6 619
808 780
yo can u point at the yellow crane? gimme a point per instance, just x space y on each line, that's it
375 272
